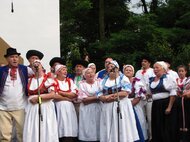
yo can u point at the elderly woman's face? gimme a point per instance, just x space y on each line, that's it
93 67
128 71
158 70
89 74
62 72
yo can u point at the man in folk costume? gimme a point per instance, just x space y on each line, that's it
144 74
102 73
33 55
78 66
13 91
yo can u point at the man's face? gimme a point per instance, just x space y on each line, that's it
32 59
145 64
107 61
13 60
78 69
53 67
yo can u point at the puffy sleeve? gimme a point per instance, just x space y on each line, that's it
73 87
30 71
187 85
170 84
82 92
50 84
125 84
99 91
140 89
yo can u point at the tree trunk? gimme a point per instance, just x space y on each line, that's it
154 6
101 20
144 6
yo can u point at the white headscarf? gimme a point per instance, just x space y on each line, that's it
58 67
114 62
91 64
85 70
130 67
163 64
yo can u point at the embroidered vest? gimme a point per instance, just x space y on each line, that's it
59 89
160 87
23 72
42 88
111 90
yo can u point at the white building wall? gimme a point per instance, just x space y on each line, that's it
34 24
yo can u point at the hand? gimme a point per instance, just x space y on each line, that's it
110 98
102 98
186 94
34 100
167 111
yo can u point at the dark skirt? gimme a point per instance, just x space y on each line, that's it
68 139
184 133
164 127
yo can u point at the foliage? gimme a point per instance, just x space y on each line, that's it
164 32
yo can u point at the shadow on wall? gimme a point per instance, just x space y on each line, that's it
3 47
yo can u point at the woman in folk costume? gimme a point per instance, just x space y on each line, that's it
89 112
41 93
115 85
182 72
163 88
66 114
183 104
138 93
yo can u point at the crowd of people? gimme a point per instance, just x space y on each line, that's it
115 104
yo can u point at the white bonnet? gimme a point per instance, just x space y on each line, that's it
91 64
114 62
128 66
58 67
163 64
85 70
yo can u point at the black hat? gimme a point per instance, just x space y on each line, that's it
79 62
11 51
56 59
37 53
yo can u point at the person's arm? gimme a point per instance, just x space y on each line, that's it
170 105
58 97
47 96
69 95
113 97
121 94
91 99
171 85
